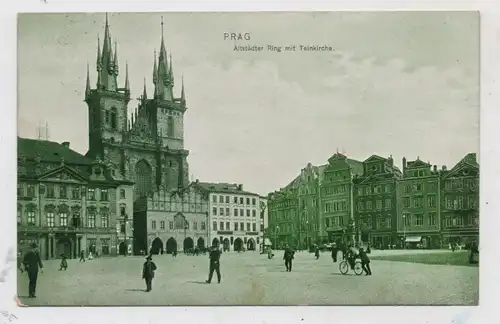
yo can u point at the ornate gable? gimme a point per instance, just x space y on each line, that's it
374 158
463 170
63 174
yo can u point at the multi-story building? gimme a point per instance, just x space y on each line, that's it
168 221
460 202
337 200
68 203
148 149
376 203
418 205
234 216
283 212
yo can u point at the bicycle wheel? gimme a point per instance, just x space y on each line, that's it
358 268
343 267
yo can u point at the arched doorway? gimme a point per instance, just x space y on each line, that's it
63 246
122 248
238 244
142 178
251 245
157 246
171 245
215 242
188 244
201 242
225 244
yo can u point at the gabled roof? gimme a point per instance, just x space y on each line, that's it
374 158
417 164
49 151
63 169
468 161
229 188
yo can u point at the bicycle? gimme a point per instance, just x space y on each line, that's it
344 267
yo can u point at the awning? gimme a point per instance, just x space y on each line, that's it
267 242
413 239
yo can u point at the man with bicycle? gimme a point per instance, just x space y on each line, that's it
352 254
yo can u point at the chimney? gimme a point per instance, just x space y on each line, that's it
404 165
240 187
390 160
65 144
435 168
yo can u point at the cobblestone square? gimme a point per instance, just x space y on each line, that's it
251 279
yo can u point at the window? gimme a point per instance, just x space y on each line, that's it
254 201
254 227
417 202
195 226
235 200
170 225
227 199
186 225
248 201
388 204
91 194
203 227
221 199
360 191
242 226
235 211
122 193
368 190
221 226
122 211
242 212
162 225
63 192
20 190
31 190
460 202
248 227
214 226
419 219
105 246
91 219
378 204
50 219
214 198
432 219
221 211
75 193
214 211
387 188
235 226
471 202
104 194
50 190
170 126
153 224
254 213
407 219
248 212
241 200
228 212
407 188
368 205
63 219
228 226
360 205
431 201
19 214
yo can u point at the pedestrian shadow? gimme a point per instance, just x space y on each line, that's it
136 289
339 274
198 282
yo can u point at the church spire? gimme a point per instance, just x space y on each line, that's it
155 70
115 60
171 71
127 85
99 62
183 95
144 93
87 85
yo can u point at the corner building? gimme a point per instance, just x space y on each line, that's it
148 147
376 203
67 202
235 216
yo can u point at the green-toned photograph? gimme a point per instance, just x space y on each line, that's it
272 158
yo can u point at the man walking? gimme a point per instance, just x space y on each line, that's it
288 257
82 256
32 263
335 251
214 263
148 273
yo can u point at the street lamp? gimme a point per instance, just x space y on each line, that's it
125 219
276 237
185 234
307 235
404 231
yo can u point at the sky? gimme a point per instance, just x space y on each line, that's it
404 84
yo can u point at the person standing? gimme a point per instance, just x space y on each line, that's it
82 256
365 262
32 263
148 273
316 253
64 263
473 250
215 254
288 257
335 251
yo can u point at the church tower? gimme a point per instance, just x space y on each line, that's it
148 148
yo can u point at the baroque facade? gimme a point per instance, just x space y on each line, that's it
376 202
234 215
169 221
67 203
147 148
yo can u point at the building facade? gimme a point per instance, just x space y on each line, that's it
283 211
147 148
460 202
169 221
234 215
418 205
67 203
376 202
337 199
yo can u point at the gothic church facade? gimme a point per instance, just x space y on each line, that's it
148 147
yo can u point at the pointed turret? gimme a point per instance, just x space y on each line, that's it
171 71
99 62
106 45
144 93
87 85
115 60
127 85
183 95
